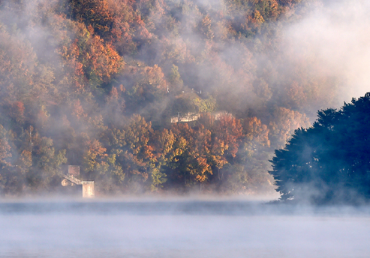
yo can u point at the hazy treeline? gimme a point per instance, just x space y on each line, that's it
95 82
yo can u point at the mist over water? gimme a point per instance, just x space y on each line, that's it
181 228
325 53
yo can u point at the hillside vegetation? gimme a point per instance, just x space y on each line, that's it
94 83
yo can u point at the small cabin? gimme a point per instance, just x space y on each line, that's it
189 117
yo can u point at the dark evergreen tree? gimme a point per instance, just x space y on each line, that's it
329 162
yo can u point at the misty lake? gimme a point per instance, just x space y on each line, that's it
184 228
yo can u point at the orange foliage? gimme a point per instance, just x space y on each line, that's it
78 110
229 130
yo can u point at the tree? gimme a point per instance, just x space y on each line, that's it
95 82
329 161
46 163
229 130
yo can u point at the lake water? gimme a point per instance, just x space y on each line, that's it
187 228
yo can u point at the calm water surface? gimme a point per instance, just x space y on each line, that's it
181 229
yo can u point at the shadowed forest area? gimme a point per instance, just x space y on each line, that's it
328 162
95 83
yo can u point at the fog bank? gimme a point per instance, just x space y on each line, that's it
122 229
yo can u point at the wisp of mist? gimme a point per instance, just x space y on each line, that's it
181 228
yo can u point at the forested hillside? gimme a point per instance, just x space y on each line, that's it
95 83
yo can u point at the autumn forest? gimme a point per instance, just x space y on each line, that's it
95 83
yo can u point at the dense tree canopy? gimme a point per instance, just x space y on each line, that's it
95 83
328 162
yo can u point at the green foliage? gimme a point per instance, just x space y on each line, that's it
175 79
205 105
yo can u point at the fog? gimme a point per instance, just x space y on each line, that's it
332 37
182 228
314 56
329 42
